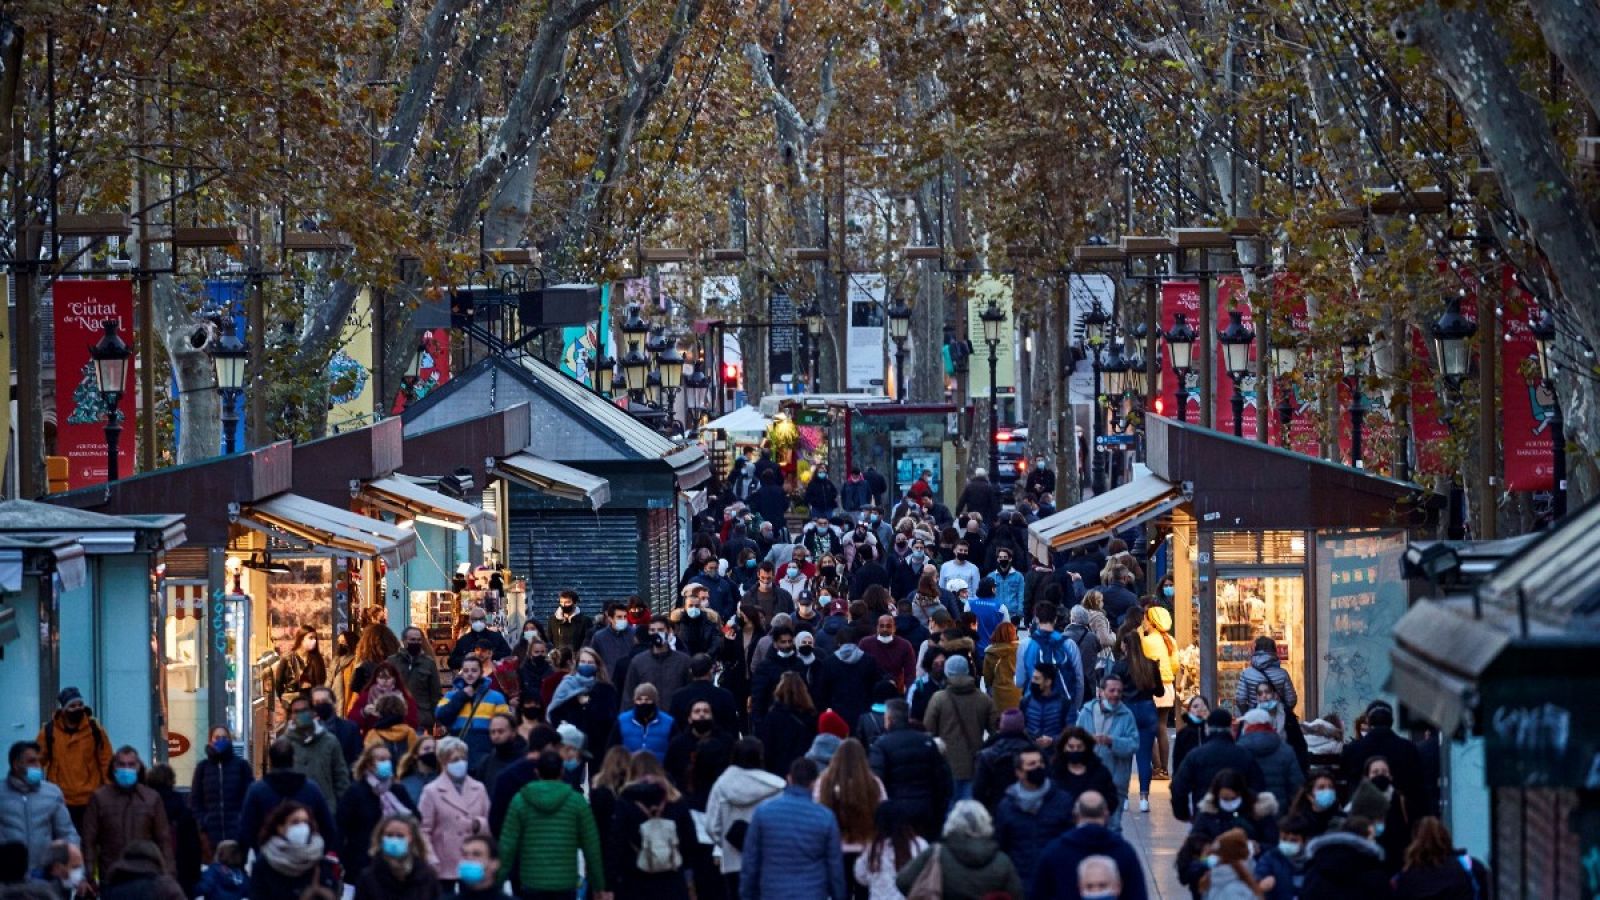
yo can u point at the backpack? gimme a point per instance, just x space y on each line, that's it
1088 648
658 846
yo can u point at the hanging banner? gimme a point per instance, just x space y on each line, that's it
350 382
987 288
80 307
1177 297
1289 305
1231 295
1526 405
223 299
433 370
868 297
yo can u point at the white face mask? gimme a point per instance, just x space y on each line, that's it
75 877
298 834
479 625
1231 805
457 769
885 638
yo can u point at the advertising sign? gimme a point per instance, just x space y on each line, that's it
1527 406
868 294
987 288
80 307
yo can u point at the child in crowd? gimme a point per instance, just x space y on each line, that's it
225 878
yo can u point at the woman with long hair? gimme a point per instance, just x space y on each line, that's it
925 597
830 577
400 869
853 793
344 668
1230 878
1000 668
386 679
789 726
377 644
895 843
290 855
1435 870
605 786
1155 634
1191 729
300 669
1141 684
586 698
420 766
648 795
374 792
1318 803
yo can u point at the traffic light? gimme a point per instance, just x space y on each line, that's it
730 375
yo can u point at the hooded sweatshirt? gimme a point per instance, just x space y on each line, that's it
547 825
734 798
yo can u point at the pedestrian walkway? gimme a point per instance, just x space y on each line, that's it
1157 835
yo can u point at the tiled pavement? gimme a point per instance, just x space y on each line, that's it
1157 835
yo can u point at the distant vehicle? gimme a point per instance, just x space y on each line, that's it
1013 444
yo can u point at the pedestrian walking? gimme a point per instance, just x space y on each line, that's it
654 836
822 495
895 844
660 665
400 869
1402 756
1059 874
1048 646
960 715
979 496
970 863
1116 737
123 812
33 811
849 790
419 672
279 786
509 747
1098 879
1077 769
546 828
141 874
1191 730
1346 863
569 628
1231 803
300 669
291 855
75 752
698 754
792 847
472 703
1435 869
913 771
419 767
386 680
586 699
786 731
1280 770
644 727
453 807
217 792
1031 814
1230 877
377 644
1000 667
479 639
1155 637
894 655
1264 666
1201 766
182 827
390 729
743 786
1280 867
225 878
615 640
374 794
343 730
995 768
317 753
1141 681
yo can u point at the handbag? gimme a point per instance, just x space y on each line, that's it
930 881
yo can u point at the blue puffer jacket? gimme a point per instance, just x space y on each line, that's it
634 736
1045 716
1023 835
792 850
217 793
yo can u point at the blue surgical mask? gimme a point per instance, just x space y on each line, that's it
126 777
222 746
384 769
470 871
588 670
1378 829
751 563
1269 705
571 765
1167 591
33 775
1324 798
1290 849
692 612
395 847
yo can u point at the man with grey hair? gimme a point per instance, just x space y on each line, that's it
1098 879
970 861
1058 874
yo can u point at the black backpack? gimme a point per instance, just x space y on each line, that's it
1088 652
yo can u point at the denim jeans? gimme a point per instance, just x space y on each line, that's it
1144 715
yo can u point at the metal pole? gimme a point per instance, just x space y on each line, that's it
230 423
1181 394
1207 340
30 473
1358 417
1097 457
994 409
900 370
113 437
1558 442
1238 406
147 326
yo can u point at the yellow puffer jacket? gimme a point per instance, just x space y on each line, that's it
77 760
1157 643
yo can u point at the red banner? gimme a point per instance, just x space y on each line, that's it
1526 405
1428 430
1290 304
80 307
1230 295
434 369
1177 297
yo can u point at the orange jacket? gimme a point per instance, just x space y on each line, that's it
76 760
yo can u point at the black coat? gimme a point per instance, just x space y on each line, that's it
267 883
595 718
503 755
786 735
1185 741
822 493
1096 777
623 877
771 504
570 635
1405 763
378 883
867 575
1193 779
914 773
765 682
848 685
693 763
360 811
724 711
1344 866
470 641
979 496
217 794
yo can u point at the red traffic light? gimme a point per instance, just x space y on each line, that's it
730 374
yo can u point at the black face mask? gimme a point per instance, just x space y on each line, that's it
415 649
829 570
1035 777
1382 782
431 760
702 726
1078 757
644 712
324 710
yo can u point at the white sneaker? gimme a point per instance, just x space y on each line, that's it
1144 804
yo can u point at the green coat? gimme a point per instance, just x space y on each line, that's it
321 759
547 825
971 868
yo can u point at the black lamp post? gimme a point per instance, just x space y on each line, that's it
232 359
110 357
1544 338
1353 353
635 365
1450 333
1285 357
899 330
1095 323
812 314
1180 345
696 395
670 365
993 318
1236 340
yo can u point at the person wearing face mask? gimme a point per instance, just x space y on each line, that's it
1317 805
1116 738
660 666
75 752
346 732
1280 868
781 659
822 495
701 689
1032 813
509 746
585 699
419 671
958 568
742 571
1202 765
1376 798
613 638
63 875
699 752
33 811
317 753
1230 804
568 627
546 827
478 872
466 711
300 669
1344 864
292 855
644 726
120 813
533 668
1281 771
904 571
1076 768
1008 587
894 655
856 494
479 636
454 806
374 793
1155 638
696 625
386 681
1058 874
720 595
400 869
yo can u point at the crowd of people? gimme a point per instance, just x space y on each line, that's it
876 706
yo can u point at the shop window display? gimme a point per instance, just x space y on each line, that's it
1248 607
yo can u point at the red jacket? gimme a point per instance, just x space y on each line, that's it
896 659
358 710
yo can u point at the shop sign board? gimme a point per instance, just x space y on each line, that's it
864 369
1360 596
783 341
80 307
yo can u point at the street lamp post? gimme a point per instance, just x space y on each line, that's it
1450 333
635 365
1109 407
812 313
696 394
1544 337
232 359
1354 356
110 357
1236 340
1285 356
899 330
993 318
1180 345
670 364
1095 322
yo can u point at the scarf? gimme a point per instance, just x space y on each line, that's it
1027 800
391 806
572 686
291 859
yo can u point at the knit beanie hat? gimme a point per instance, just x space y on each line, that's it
1368 802
956 665
832 723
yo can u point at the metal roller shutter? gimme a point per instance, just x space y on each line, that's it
661 533
595 554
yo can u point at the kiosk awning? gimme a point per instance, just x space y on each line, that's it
1439 657
1140 500
399 495
555 479
329 529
